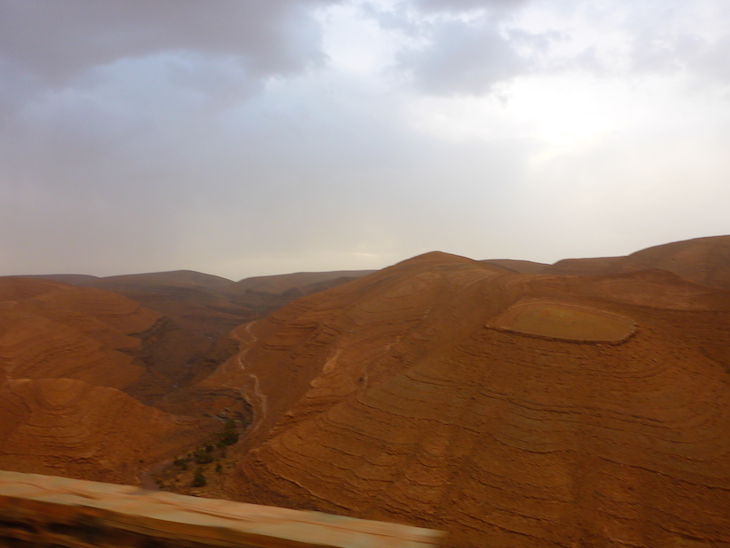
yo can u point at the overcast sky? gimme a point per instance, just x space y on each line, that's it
251 137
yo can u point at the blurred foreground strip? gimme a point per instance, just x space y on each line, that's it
40 510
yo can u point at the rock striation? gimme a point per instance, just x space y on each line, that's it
66 356
69 427
50 330
703 261
509 409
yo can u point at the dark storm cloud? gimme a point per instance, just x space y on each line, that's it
110 120
89 83
58 40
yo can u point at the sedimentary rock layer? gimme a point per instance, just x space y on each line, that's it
69 427
50 330
416 395
65 354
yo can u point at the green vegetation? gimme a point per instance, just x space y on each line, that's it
202 456
229 436
214 451
199 478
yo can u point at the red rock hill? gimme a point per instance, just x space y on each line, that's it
508 409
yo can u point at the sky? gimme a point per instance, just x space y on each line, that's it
255 137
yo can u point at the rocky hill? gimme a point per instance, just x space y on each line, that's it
701 260
509 403
67 357
508 409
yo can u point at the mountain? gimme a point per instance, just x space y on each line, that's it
198 311
194 301
508 409
268 293
282 283
68 427
509 403
523 267
67 357
211 305
51 329
83 365
701 260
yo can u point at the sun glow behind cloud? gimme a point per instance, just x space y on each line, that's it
562 114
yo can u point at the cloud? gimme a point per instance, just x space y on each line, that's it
59 40
463 57
462 47
256 137
468 5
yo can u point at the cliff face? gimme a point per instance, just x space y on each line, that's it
508 409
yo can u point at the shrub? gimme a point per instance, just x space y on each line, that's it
229 436
199 478
203 457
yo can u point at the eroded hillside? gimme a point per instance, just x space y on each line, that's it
508 409
703 261
509 403
67 357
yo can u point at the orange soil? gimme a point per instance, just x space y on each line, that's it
701 260
392 398
65 354
50 329
564 321
70 428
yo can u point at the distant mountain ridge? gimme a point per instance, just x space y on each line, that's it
701 260
704 261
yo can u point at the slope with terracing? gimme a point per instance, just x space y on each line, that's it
704 261
507 409
68 356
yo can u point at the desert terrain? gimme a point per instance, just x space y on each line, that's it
509 403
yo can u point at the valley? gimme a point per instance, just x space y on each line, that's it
508 403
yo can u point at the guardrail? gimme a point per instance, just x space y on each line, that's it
38 510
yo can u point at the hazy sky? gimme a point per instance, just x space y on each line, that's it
248 137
